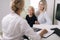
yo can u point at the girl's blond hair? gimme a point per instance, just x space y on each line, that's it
32 9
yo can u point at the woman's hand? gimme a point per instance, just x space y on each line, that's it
44 31
36 22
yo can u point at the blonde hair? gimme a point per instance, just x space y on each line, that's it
44 3
32 9
17 5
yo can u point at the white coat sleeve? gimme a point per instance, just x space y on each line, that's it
28 31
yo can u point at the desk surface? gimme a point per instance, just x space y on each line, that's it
48 27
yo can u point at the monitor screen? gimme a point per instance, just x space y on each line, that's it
58 12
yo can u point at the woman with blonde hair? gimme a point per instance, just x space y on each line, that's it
14 26
41 14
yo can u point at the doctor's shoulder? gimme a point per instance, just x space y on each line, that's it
22 20
6 17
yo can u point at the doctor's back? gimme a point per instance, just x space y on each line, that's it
14 26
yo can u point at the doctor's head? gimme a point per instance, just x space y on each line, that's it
17 6
42 5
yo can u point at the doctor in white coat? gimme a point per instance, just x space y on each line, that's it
42 15
14 26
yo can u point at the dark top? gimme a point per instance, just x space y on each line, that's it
31 20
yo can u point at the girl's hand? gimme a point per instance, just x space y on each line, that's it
36 22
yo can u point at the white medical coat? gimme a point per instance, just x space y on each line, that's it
14 27
43 18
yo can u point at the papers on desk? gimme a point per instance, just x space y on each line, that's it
49 32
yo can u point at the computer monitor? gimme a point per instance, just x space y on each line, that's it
58 12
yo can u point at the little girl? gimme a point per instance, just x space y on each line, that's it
31 18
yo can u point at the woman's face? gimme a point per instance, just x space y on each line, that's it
30 11
41 6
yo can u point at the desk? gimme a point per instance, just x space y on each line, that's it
48 27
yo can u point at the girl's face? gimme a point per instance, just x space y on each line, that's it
30 11
41 6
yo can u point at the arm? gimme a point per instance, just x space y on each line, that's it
36 21
30 32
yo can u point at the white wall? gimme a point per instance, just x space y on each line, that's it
34 3
50 6
4 9
56 2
